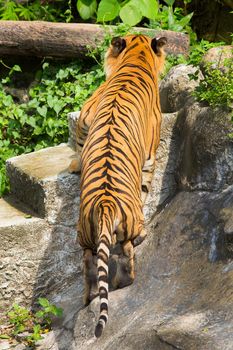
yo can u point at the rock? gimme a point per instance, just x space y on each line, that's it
72 123
41 180
217 55
36 258
177 87
164 184
206 150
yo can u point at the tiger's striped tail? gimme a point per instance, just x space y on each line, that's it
103 252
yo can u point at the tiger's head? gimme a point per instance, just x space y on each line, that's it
120 46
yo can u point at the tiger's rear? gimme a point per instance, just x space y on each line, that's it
118 133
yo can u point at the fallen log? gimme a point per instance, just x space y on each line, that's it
47 39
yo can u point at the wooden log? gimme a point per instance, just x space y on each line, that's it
46 39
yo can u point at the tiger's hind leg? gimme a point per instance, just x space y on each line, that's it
90 276
128 251
140 238
147 174
75 165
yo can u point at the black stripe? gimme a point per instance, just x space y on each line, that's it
145 189
103 306
131 48
102 269
103 279
103 292
105 241
104 318
102 255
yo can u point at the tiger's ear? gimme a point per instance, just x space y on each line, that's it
118 45
157 44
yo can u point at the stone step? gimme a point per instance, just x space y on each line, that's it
13 212
41 181
36 258
20 234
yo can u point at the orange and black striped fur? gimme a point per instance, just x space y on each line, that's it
117 136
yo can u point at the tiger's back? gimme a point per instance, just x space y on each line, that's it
127 118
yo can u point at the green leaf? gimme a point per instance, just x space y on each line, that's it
171 19
4 336
58 107
62 74
50 101
28 216
149 8
19 329
86 8
16 68
42 111
186 19
32 121
107 10
57 311
169 2
37 130
37 328
43 302
130 13
15 134
45 65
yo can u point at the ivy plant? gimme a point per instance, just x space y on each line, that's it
42 121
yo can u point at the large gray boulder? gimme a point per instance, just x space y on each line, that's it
206 149
177 87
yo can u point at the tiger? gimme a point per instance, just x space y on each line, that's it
117 135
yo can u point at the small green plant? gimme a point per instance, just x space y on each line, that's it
28 327
217 86
172 19
54 11
198 49
12 10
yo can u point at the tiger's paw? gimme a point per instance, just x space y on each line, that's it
74 166
140 238
119 272
88 298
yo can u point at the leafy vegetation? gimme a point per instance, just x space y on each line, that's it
196 53
167 18
217 87
42 120
33 10
28 327
130 12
